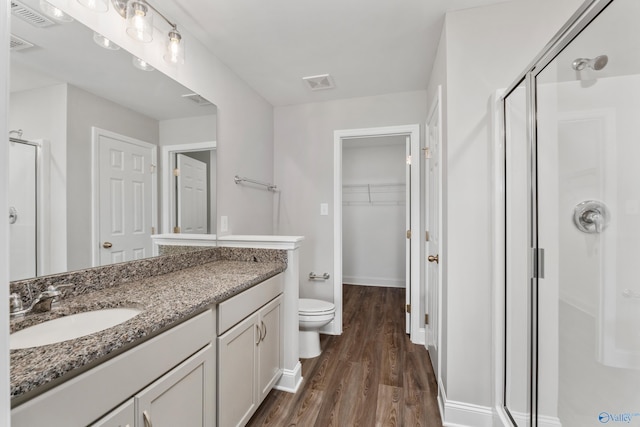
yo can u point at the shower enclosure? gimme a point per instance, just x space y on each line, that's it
571 140
24 192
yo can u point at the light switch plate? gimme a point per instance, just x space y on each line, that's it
324 208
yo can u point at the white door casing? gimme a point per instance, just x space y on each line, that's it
408 288
192 195
168 188
124 197
413 133
434 227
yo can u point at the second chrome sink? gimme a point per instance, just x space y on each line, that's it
70 327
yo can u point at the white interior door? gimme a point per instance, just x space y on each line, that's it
408 240
191 195
434 227
22 211
125 198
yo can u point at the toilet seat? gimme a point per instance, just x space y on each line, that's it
315 307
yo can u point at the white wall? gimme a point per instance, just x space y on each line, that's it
486 48
42 114
84 111
303 151
373 230
188 130
245 119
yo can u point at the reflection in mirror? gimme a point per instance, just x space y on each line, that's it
85 185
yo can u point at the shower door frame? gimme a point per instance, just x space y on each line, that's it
42 205
587 12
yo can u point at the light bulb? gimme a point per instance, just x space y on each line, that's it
54 12
139 21
175 48
104 42
95 5
141 64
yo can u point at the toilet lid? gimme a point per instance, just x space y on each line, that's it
307 305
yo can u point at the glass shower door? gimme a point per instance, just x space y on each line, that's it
588 223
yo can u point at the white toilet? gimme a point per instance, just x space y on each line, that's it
313 314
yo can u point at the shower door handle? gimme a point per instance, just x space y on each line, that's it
13 215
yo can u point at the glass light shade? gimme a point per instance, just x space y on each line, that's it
104 42
95 5
141 65
174 54
53 12
139 21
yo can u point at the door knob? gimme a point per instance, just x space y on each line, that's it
433 258
107 245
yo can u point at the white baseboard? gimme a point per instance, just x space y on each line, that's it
461 414
374 281
522 419
419 337
290 380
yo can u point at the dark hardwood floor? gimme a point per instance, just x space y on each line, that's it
371 375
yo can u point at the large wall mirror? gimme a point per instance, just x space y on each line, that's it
103 153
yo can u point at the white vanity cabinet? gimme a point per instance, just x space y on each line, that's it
170 377
250 350
122 416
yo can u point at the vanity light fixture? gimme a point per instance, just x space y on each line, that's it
104 42
95 5
141 64
139 21
139 17
53 12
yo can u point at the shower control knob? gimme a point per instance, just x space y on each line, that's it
107 245
433 258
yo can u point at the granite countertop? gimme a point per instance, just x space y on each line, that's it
166 300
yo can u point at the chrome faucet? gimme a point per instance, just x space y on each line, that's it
40 304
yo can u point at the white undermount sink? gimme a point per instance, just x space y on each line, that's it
70 327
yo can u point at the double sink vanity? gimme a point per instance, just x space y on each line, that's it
201 343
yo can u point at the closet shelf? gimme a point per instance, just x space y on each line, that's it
387 194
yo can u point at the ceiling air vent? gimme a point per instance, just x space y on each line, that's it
198 99
320 82
19 44
29 15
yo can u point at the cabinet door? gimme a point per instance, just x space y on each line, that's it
237 367
270 351
122 416
182 397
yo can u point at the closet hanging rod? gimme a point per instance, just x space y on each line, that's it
270 187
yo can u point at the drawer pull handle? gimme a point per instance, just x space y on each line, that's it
147 419
259 335
264 331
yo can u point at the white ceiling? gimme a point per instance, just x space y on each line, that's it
370 47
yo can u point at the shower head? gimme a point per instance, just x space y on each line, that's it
597 63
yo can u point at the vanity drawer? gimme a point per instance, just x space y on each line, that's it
236 308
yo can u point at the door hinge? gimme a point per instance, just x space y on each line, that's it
426 319
427 153
409 160
408 308
408 234
152 168
538 263
176 229
426 236
176 172
153 230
